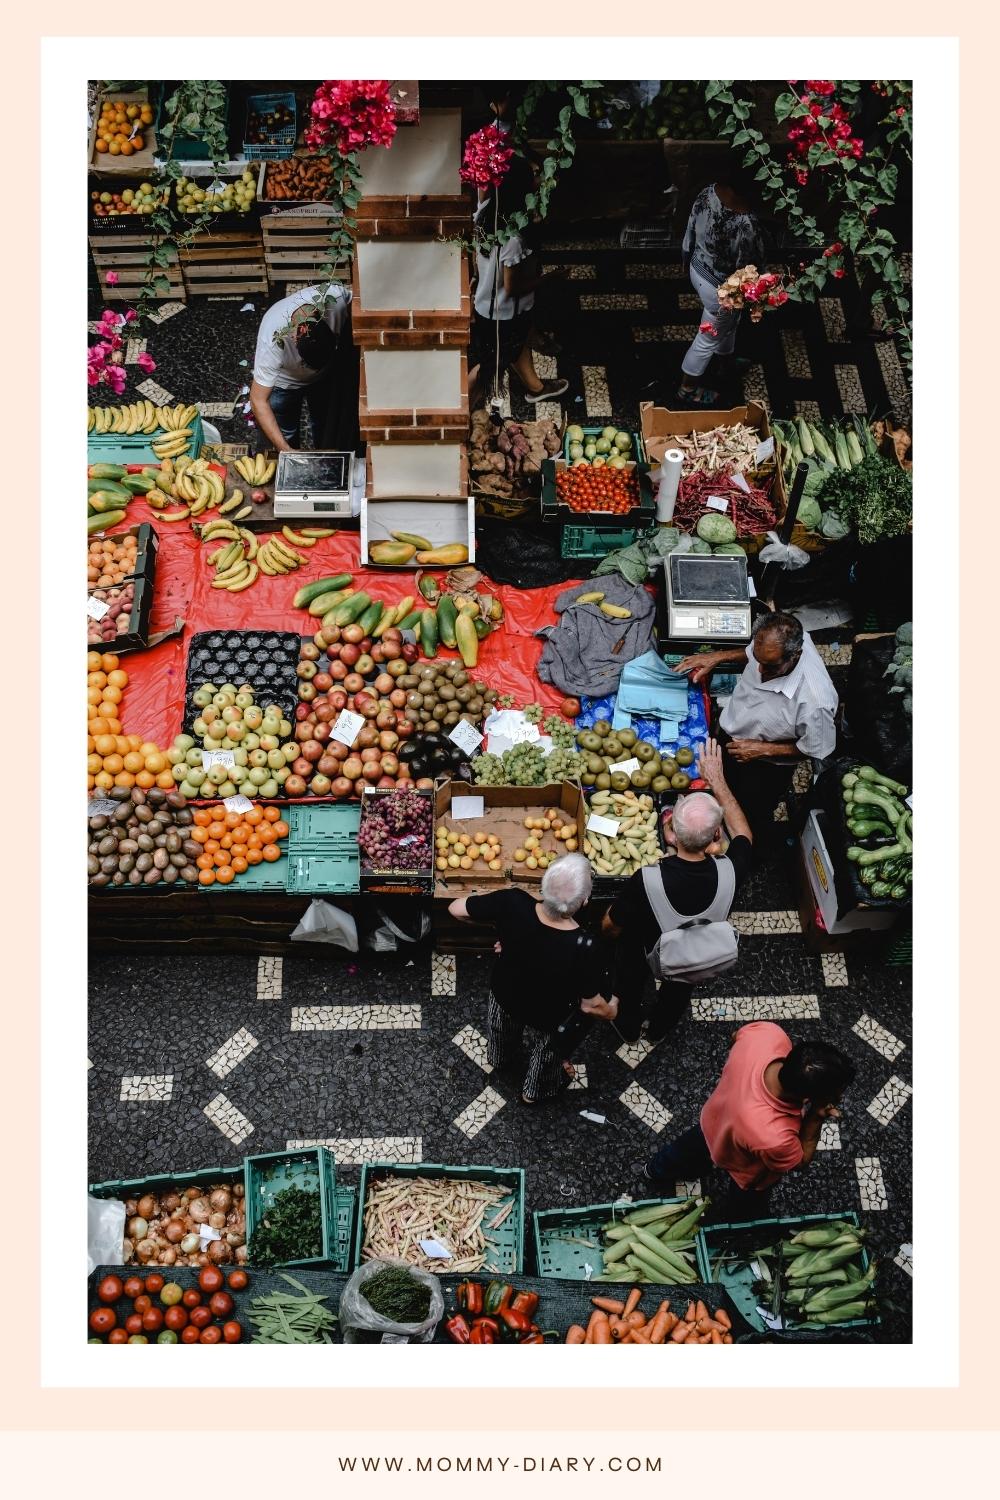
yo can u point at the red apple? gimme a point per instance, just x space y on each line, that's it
304 730
410 651
353 683
349 654
331 635
388 740
320 785
369 754
425 784
312 750
372 772
390 765
359 787
294 786
386 781
338 671
351 768
301 766
398 698
322 682
393 634
337 749
386 718
324 712
364 664
338 700
352 634
309 651
301 709
306 690
329 765
341 787
367 736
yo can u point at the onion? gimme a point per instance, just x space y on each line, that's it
199 1210
168 1257
127 1251
241 1255
130 1207
190 1225
190 1243
146 1250
170 1202
220 1252
217 1220
234 1237
174 1232
221 1200
146 1207
238 1190
202 1259
138 1228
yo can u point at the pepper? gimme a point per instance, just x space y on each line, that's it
536 1337
458 1329
469 1296
498 1295
518 1322
525 1302
485 1331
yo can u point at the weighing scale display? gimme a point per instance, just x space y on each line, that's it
309 473
710 579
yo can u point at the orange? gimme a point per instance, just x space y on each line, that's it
97 679
122 744
90 783
271 852
238 851
216 829
118 678
202 816
254 842
272 814
94 764
206 877
109 662
199 834
101 144
156 763
114 147
114 764
225 876
254 856
134 761
281 829
97 725
94 695
134 741
114 726
232 819
145 779
126 149
104 780
124 778
226 841
93 661
268 837
212 846
92 713
238 866
105 744
255 815
112 695
205 861
147 747
166 781
222 857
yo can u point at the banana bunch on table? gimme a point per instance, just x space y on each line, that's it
196 485
257 470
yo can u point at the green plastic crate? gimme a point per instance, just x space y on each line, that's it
506 1255
638 449
118 448
738 1278
642 515
309 822
184 147
595 541
323 849
567 1240
312 1169
324 871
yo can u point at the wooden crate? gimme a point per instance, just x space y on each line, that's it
297 247
233 262
127 255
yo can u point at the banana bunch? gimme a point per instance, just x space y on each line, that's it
139 416
257 470
634 845
198 488
240 559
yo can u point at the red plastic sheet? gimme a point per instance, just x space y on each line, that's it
153 703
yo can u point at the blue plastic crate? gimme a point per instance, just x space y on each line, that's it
119 448
693 731
282 142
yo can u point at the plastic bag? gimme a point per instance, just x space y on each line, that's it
784 553
357 1316
388 935
323 923
105 1232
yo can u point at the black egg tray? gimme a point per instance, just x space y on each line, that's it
266 659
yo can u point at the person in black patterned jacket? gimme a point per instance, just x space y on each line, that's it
723 235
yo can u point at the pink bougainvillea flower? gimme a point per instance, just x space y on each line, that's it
487 157
820 86
833 249
131 315
112 278
708 328
146 363
840 273
351 114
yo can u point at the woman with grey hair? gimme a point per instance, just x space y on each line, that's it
547 971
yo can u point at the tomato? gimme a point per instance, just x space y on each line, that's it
133 1323
221 1304
211 1335
154 1283
175 1318
211 1279
200 1317
142 1303
238 1280
152 1320
171 1294
132 1287
110 1289
138 1338
190 1335
166 1337
192 1297
102 1320
118 1336
232 1333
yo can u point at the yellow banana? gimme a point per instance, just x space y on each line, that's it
176 515
235 500
251 542
90 419
252 576
270 468
265 564
300 541
241 515
213 557
258 466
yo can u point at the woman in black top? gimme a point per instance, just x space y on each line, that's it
546 969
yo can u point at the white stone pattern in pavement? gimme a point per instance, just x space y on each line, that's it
661 271
225 1116
154 392
871 1183
691 1189
473 1044
545 368
765 923
210 409
356 1150
665 333
633 1053
597 397
147 1088
133 349
167 310
579 272
808 409
852 394
755 1008
781 813
832 312
269 978
834 969
232 1053
645 1107
889 1100
833 654
443 973
755 385
829 1136
89 1063
793 342
904 1259
613 302
356 1018
479 1113
601 243
869 1030
579 1079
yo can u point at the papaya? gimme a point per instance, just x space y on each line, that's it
482 627
444 557
410 621
327 600
104 500
351 610
104 520
430 588
136 484
428 633
106 471
411 538
446 618
468 640
371 616
391 554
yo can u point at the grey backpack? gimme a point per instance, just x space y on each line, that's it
691 949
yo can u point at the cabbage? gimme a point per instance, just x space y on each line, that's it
699 546
716 529
729 549
832 527
809 514
904 635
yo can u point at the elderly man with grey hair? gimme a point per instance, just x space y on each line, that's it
690 884
781 712
547 972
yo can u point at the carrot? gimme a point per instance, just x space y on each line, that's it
727 1338
672 1321
706 1338
602 1329
704 1325
716 1336
680 1333
639 1335
658 1327
635 1319
721 1316
632 1301
691 1315
701 1311
608 1304
575 1334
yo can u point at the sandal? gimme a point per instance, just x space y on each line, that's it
698 396
569 1073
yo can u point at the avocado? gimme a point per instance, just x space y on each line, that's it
680 782
683 756
619 781
660 784
627 737
643 751
603 782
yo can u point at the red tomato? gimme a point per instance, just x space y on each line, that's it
133 1323
118 1336
201 1317
238 1280
102 1320
152 1320
132 1287
110 1289
190 1334
192 1297
142 1303
211 1335
175 1318
211 1279
155 1282
232 1333
221 1304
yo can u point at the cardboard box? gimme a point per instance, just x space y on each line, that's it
822 883
659 425
505 809
395 882
439 518
140 161
417 469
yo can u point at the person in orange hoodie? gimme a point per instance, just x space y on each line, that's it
763 1119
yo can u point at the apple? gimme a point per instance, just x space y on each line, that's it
322 682
295 786
258 776
244 698
305 670
352 634
319 641
337 749
253 716
251 741
281 775
322 732
301 766
306 690
349 655
370 755
330 634
372 772
217 775
203 696
386 780
341 787
235 731
200 728
390 765
410 653
269 742
398 698
388 740
271 723
378 652
396 667
364 664
329 765
269 789
309 652
323 712
386 718
320 785
351 768
359 787
311 750
275 759
338 700
338 671
353 683
196 775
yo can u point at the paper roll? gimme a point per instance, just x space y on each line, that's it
666 494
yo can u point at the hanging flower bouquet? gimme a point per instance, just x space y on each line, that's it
752 289
487 157
351 114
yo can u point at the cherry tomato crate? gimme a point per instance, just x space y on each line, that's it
568 1240
640 516
313 1169
505 1244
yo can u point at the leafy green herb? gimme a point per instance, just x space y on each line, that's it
291 1229
875 498
396 1294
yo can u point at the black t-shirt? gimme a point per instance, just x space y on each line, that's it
690 887
541 973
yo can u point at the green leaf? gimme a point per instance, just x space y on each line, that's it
740 137
191 121
783 106
161 285
713 89
581 106
887 179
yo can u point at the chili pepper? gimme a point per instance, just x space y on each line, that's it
518 1321
469 1296
458 1329
525 1302
485 1331
498 1295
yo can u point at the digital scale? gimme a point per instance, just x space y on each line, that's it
313 484
707 598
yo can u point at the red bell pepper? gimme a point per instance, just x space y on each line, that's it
469 1296
498 1295
518 1322
525 1302
458 1329
485 1331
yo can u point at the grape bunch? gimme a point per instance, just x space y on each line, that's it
563 765
533 712
563 735
524 765
488 770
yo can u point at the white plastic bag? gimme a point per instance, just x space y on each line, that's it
783 552
105 1232
358 1316
387 937
323 923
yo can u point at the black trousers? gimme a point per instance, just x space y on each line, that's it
688 1157
633 984
758 787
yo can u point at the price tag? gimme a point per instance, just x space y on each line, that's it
347 727
737 478
909 801
588 1114
97 609
751 587
226 758
525 733
207 1234
467 807
237 804
466 736
764 451
608 826
628 766
101 807
716 502
435 1250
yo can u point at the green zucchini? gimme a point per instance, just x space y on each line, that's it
446 617
310 591
105 519
875 778
880 890
864 827
428 633
863 857
371 616
410 620
899 893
